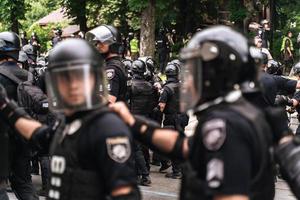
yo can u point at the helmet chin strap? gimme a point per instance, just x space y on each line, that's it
231 97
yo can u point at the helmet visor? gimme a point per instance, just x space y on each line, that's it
100 34
78 87
191 84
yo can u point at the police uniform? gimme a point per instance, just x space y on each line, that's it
91 158
271 86
229 154
117 78
170 96
20 151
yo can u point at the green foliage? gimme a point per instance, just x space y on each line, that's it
237 11
37 10
44 33
11 12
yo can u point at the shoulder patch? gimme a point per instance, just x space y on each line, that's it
118 149
214 134
110 74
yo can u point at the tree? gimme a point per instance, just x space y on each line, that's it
11 12
77 9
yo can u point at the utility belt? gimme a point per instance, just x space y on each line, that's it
76 184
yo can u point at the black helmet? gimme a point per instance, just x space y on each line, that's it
297 69
172 70
150 63
274 67
29 50
138 67
84 69
9 45
127 63
108 35
217 60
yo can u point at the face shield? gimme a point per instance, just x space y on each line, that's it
100 34
191 73
77 87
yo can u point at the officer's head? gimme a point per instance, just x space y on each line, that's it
138 67
75 80
9 46
172 70
297 69
107 40
127 63
216 61
29 50
150 63
274 68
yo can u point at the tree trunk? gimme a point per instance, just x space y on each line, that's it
147 39
14 22
82 19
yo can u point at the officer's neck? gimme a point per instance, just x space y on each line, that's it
111 55
6 60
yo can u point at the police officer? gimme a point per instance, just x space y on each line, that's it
90 158
142 102
108 41
20 163
228 156
169 105
273 85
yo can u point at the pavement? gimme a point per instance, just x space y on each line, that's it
167 189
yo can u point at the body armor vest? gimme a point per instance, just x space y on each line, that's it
68 180
172 106
142 97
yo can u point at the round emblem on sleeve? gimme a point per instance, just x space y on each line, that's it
110 74
118 149
214 134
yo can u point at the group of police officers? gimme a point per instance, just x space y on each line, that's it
108 111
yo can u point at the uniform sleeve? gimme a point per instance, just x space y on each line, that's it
228 164
113 78
164 96
114 154
286 85
297 96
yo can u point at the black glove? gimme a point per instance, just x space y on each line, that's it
278 121
282 100
9 110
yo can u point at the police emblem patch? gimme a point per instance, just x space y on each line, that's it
110 74
214 134
118 149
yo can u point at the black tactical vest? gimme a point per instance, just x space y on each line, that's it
141 97
262 183
68 180
172 105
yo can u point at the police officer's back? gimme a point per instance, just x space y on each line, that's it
108 41
169 97
142 93
20 166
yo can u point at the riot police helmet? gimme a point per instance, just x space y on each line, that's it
108 35
296 69
274 68
138 67
75 79
216 61
127 63
29 50
172 70
9 45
